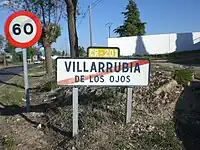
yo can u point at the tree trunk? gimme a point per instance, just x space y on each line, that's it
48 53
4 59
73 38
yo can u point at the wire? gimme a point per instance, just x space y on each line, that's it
96 3
83 17
84 14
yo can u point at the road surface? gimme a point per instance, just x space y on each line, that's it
8 73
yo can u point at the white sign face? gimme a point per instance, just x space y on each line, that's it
102 72
22 29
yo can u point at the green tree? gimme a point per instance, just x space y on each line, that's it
17 57
9 48
2 41
63 53
53 31
81 51
58 53
31 51
49 12
132 26
54 51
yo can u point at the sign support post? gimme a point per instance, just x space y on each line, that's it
129 104
26 80
75 111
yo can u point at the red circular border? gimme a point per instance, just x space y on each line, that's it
38 26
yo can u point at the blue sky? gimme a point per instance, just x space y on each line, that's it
166 16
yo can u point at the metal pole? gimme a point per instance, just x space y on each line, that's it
26 80
90 23
109 26
129 104
109 31
75 111
169 44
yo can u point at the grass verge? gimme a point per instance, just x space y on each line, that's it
13 91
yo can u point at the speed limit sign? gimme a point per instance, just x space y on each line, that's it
23 29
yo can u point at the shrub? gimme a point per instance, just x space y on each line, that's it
183 76
51 85
8 141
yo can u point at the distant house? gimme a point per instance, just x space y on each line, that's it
9 57
54 57
35 58
42 57
28 61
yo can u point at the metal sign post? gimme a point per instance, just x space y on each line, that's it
129 104
112 52
26 80
75 111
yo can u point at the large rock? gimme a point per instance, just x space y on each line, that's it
168 87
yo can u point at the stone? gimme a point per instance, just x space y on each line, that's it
39 126
166 87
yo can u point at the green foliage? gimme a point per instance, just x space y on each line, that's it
63 53
132 26
183 76
55 52
53 31
9 48
2 40
81 51
51 85
54 65
17 57
49 12
8 141
31 51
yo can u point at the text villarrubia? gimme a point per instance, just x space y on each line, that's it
99 67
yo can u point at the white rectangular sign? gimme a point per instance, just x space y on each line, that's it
102 72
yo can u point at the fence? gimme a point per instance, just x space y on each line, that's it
156 44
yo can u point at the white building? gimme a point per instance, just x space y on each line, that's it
156 44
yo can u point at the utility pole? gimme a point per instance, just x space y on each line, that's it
109 26
90 22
